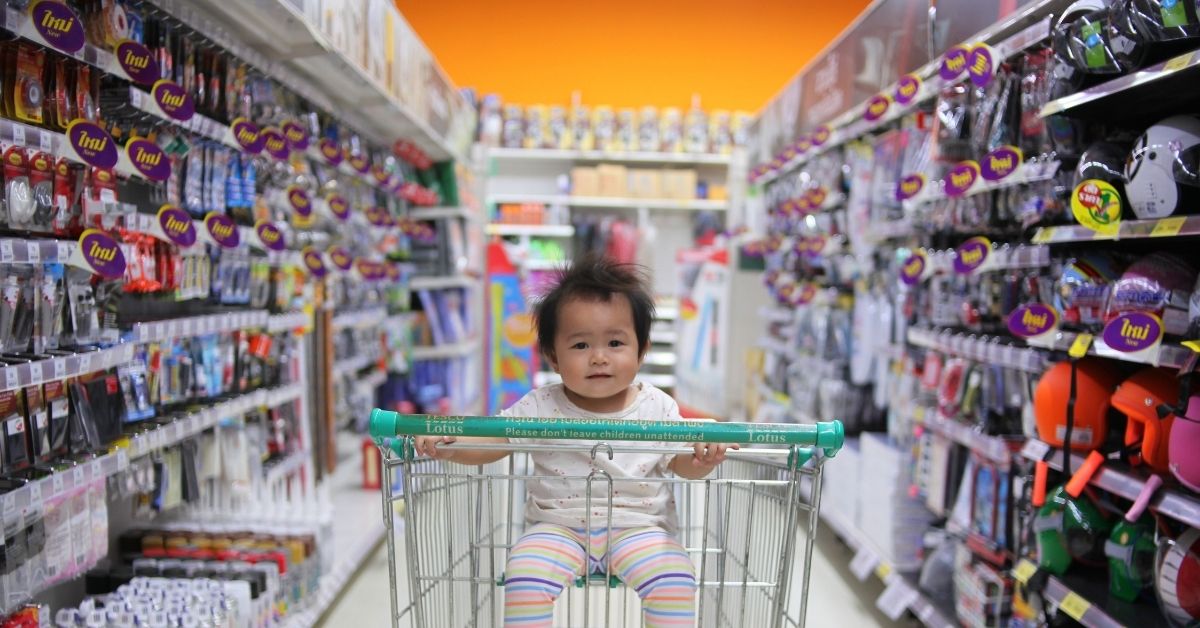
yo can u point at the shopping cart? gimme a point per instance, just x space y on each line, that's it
742 526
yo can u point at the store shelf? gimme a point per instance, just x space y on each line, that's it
1029 172
995 448
1099 100
981 350
1175 226
545 264
159 331
353 542
901 593
302 58
351 366
776 314
1167 355
1177 504
438 213
666 312
611 202
440 282
1004 257
663 337
289 466
370 317
548 154
1085 598
660 358
533 231
444 352
63 367
287 322
198 124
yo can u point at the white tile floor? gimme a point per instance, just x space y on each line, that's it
835 597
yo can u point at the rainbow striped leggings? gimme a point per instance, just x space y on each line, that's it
648 560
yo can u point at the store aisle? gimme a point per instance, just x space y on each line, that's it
835 598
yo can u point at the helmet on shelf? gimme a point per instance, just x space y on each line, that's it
1160 20
1130 550
1082 288
1163 171
1140 398
1069 529
1158 283
1094 383
1184 442
1093 39
1177 578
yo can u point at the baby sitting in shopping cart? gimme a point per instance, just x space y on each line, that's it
593 327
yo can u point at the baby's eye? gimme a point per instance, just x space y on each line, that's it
615 343
579 346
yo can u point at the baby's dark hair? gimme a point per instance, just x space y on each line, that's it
596 278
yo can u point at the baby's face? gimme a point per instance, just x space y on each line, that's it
596 351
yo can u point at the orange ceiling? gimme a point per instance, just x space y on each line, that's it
626 53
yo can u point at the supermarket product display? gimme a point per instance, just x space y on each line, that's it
207 271
964 268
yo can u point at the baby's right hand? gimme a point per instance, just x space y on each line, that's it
428 446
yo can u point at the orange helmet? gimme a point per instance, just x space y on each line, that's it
1139 398
1094 383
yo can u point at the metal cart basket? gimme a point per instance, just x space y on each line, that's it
748 528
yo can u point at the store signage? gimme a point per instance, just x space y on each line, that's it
909 187
806 294
138 63
339 207
148 159
789 153
370 271
341 258
173 100
392 271
100 253
1096 205
314 262
92 144
820 136
907 89
1001 163
57 25
381 175
275 143
247 135
379 217
1134 332
816 245
816 197
270 236
954 62
913 269
295 134
970 256
299 201
981 65
361 163
961 178
177 225
1032 320
877 107
222 230
804 144
803 205
330 151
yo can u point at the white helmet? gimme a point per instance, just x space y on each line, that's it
1162 173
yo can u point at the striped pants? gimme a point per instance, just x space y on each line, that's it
648 560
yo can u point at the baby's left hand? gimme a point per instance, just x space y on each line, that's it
710 454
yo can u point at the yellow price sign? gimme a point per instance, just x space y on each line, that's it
883 570
1074 606
1168 227
1024 571
1194 345
1080 347
1043 235
1178 63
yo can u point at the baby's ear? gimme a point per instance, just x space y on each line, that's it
551 359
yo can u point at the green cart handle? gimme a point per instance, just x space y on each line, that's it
828 435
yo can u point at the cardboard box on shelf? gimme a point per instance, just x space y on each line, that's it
718 192
645 183
614 180
585 181
679 184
